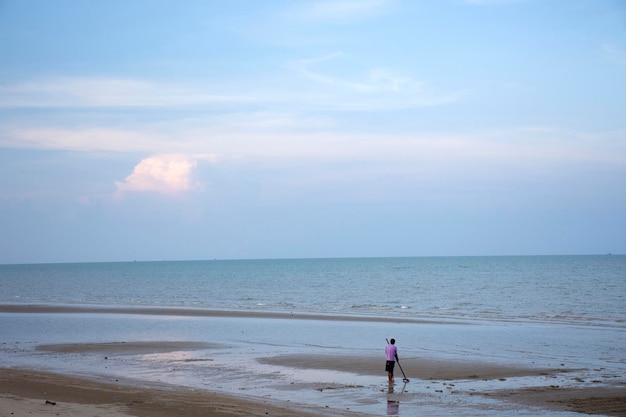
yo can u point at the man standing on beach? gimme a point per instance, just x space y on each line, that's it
392 356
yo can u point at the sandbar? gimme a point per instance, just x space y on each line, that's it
420 368
201 312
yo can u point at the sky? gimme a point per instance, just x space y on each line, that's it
240 129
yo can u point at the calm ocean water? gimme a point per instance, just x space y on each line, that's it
565 312
576 289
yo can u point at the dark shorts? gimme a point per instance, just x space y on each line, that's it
389 366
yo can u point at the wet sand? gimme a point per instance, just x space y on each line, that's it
40 394
127 348
598 400
603 401
36 393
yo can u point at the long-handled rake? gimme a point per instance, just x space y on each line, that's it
405 379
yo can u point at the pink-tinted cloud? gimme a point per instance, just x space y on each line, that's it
163 174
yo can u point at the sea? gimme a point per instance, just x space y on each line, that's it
536 311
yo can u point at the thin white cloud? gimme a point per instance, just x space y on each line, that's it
375 80
108 92
368 89
372 89
614 53
112 93
228 133
164 174
259 142
341 10
82 139
493 2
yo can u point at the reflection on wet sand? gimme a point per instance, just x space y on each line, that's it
393 403
393 408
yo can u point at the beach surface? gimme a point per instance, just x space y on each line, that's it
90 362
41 394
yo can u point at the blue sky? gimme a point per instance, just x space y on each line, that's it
148 130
